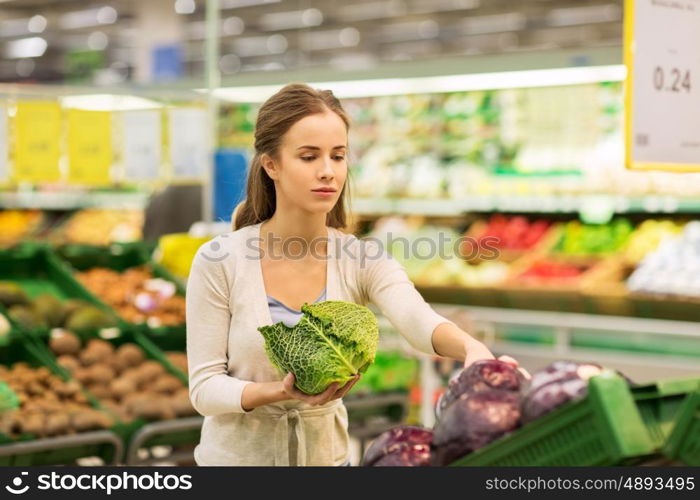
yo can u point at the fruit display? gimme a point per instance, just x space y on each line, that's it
48 311
122 378
594 239
510 233
391 371
48 405
546 272
136 295
16 225
175 252
673 269
647 237
100 227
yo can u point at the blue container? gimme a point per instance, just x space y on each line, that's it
230 176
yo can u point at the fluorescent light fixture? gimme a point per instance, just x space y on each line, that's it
25 47
237 4
290 20
88 17
108 102
584 15
450 83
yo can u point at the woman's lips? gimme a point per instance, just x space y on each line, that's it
323 194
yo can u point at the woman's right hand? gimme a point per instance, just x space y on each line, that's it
334 391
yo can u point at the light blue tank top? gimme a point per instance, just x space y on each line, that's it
290 317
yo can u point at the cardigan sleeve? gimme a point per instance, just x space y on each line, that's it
212 390
386 285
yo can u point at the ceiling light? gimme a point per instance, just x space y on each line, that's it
25 47
185 7
37 24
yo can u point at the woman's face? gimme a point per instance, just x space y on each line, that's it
311 164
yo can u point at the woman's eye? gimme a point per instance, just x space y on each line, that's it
308 158
339 158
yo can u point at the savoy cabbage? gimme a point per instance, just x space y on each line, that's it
332 342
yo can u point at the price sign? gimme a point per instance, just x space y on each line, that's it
662 41
142 144
38 126
89 147
3 143
189 148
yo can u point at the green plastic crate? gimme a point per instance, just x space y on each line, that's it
684 442
120 257
604 428
118 337
659 405
62 451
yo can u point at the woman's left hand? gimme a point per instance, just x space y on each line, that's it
346 388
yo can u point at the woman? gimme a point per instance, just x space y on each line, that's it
286 250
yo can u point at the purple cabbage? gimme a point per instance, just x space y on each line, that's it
404 445
482 375
473 421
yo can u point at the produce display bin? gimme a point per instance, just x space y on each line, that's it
169 431
659 405
604 428
27 450
120 257
461 295
38 270
684 442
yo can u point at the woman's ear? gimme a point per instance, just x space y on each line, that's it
269 165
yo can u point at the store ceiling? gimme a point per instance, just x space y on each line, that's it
37 35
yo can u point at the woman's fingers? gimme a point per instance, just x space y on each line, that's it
509 360
346 388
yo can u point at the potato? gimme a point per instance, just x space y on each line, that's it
166 384
104 348
130 355
83 375
63 342
150 369
68 362
150 409
57 423
99 390
68 389
122 386
101 373
90 419
33 424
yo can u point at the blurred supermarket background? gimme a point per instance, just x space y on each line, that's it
125 131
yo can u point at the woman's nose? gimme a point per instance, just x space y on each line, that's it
326 171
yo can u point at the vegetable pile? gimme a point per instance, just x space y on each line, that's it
486 401
332 342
